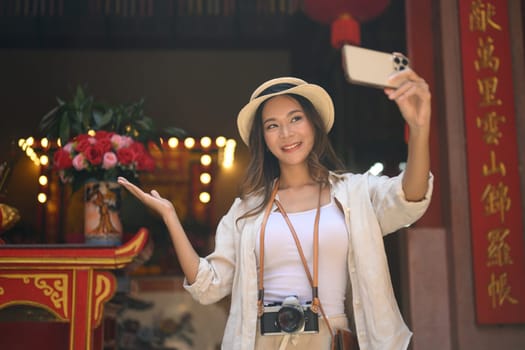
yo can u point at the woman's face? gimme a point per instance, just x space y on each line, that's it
288 132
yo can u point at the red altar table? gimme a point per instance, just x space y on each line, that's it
69 281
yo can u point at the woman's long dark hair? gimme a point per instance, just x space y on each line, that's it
264 166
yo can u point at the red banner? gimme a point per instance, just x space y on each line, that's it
493 172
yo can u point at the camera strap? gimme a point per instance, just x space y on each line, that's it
316 302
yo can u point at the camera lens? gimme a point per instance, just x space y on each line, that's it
396 60
290 319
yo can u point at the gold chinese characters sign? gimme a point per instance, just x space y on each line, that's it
492 155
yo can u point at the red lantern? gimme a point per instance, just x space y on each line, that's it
345 30
344 16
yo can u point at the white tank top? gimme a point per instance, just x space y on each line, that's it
284 273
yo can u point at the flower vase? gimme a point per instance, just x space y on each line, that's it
102 224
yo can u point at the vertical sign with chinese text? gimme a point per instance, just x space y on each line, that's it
492 154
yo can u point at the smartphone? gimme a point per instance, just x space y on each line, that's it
369 67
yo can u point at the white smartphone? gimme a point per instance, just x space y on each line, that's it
369 67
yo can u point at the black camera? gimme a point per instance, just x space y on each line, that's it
289 317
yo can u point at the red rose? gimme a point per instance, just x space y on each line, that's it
81 137
138 147
104 144
62 159
104 135
94 154
145 162
138 150
125 156
83 142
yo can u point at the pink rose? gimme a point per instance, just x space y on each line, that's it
79 162
69 147
109 160
121 141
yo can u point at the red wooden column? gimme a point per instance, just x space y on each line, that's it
426 285
441 282
87 304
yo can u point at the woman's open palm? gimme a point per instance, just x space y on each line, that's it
153 200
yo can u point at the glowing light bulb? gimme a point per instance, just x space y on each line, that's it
204 197
220 141
205 159
44 160
205 178
173 142
205 142
42 180
44 143
42 198
189 142
229 153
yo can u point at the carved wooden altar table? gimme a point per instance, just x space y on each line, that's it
69 281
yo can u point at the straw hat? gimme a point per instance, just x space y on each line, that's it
285 85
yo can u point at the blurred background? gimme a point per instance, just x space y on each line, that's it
195 64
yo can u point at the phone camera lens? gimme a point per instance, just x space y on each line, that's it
405 62
397 60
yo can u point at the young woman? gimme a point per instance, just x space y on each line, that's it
295 183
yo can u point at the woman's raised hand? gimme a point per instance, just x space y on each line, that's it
153 200
412 97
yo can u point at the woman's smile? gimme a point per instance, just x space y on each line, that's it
291 147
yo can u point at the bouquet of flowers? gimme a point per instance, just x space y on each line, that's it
103 156
102 141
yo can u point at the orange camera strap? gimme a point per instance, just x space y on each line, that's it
316 302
